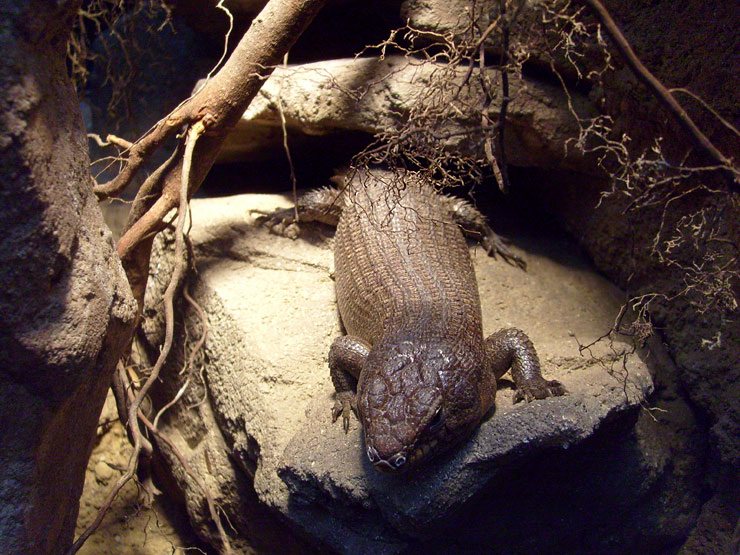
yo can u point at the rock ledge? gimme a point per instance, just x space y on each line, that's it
272 317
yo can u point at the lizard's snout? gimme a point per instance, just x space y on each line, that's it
393 463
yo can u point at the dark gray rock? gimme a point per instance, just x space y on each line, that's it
67 309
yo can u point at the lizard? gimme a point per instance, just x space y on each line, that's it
408 300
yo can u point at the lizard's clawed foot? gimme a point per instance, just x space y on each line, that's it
495 245
345 405
539 389
280 222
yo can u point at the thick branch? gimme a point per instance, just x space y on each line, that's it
175 280
503 166
225 98
138 154
219 105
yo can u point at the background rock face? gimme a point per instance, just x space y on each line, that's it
272 317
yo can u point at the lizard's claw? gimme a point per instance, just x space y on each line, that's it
539 389
280 222
344 405
493 244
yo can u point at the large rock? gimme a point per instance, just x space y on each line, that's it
256 422
372 96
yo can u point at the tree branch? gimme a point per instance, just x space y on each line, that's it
502 162
218 105
169 295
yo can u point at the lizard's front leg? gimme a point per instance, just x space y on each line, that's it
510 348
474 224
346 357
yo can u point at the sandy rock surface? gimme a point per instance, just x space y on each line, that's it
272 317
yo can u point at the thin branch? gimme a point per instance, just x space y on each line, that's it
504 183
284 127
150 190
204 328
708 108
110 140
476 48
119 183
201 484
657 88
140 152
179 270
172 402
227 36
118 387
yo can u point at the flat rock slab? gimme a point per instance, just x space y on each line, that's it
272 317
372 95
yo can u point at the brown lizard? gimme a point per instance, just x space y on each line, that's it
408 300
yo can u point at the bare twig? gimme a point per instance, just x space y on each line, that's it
284 128
150 190
118 386
504 184
172 402
140 152
201 484
204 328
110 140
189 363
708 108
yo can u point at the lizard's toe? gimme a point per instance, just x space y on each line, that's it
493 244
539 389
344 405
555 389
280 222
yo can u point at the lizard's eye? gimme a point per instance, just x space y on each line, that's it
437 420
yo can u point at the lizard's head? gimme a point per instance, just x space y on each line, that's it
415 400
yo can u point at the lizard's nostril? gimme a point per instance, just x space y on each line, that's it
399 460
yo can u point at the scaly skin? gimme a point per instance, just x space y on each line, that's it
408 299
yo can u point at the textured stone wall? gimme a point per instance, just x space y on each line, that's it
66 307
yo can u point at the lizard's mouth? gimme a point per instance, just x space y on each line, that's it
423 450
402 460
396 462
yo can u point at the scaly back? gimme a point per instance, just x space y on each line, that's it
402 265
